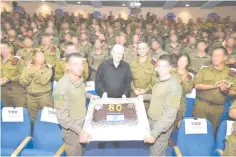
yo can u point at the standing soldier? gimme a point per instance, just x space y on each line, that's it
174 48
199 59
64 31
105 46
60 69
143 73
213 83
191 47
218 43
52 53
27 52
71 112
156 51
156 36
67 39
36 78
96 57
85 46
231 48
165 101
13 94
132 52
14 42
110 38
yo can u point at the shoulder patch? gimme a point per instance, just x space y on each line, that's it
53 48
15 61
232 72
202 67
190 76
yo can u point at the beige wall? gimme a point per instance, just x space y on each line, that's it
184 13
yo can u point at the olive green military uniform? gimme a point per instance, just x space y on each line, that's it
116 32
231 56
158 38
15 45
95 60
214 45
130 54
25 55
38 86
174 50
156 54
79 32
105 47
165 101
164 31
60 69
55 41
129 40
197 62
86 49
210 103
143 76
62 48
230 146
70 112
52 54
111 40
189 50
13 94
62 34
187 86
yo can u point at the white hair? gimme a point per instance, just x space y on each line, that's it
118 49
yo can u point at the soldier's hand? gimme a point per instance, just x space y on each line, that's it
149 139
84 137
224 87
218 83
136 92
142 91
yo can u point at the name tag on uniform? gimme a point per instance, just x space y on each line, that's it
10 114
90 86
192 94
230 128
195 126
49 115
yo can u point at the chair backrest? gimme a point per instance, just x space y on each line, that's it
47 135
13 133
195 144
225 126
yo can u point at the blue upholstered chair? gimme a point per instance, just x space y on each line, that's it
14 133
194 144
46 141
221 134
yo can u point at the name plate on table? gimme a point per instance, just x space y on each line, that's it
230 127
90 86
115 117
196 126
10 114
49 115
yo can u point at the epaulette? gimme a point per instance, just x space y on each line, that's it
232 72
15 60
202 67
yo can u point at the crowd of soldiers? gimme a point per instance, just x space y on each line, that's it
34 50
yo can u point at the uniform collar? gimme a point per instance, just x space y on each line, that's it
75 83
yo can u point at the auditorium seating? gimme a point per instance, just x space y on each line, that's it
224 130
14 133
46 141
194 144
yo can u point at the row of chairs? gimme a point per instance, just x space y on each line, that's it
16 139
202 144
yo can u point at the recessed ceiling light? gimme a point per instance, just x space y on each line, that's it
187 5
43 0
78 2
123 5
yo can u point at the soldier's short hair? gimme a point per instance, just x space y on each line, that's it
188 58
6 43
69 44
75 54
225 51
167 58
202 41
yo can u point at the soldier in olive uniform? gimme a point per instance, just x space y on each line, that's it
96 57
186 81
218 43
110 38
156 36
67 39
36 78
27 52
199 59
54 39
165 101
16 44
82 29
143 73
105 46
230 146
71 112
213 83
191 47
164 29
174 47
64 31
52 53
132 52
156 51
12 93
231 48
60 69
85 46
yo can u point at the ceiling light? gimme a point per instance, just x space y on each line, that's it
123 5
78 2
43 0
187 5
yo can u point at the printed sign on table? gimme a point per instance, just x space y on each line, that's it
49 115
196 126
10 114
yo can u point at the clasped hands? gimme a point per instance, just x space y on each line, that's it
222 85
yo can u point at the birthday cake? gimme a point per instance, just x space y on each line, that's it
108 114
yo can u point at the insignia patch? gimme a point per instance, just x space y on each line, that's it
232 72
53 49
14 61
